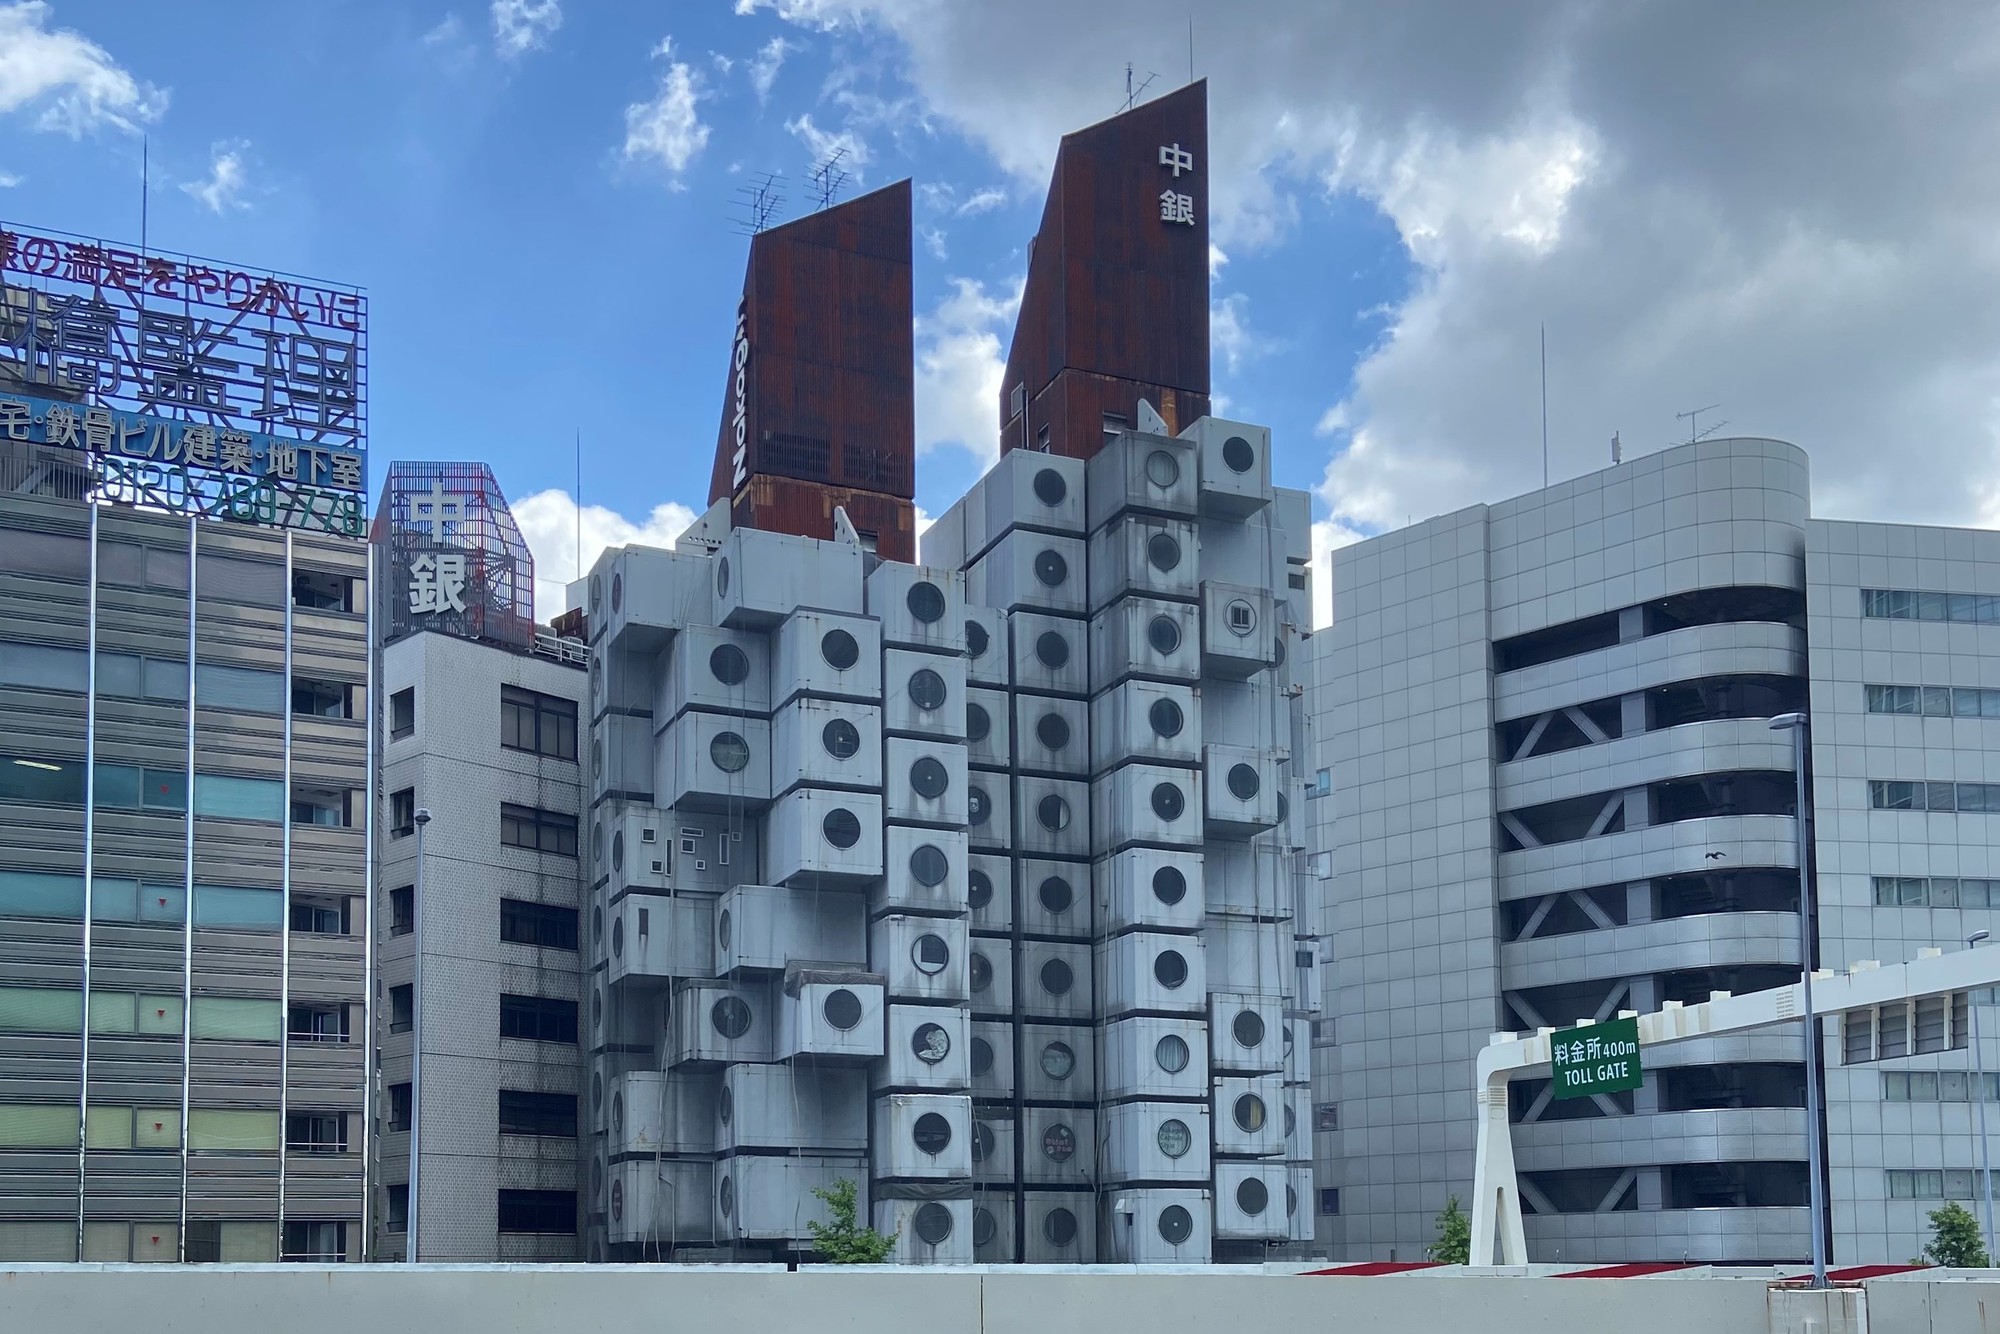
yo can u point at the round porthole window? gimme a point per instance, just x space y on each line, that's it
1163 553
930 1043
597 1091
1058 1061
1278 651
933 1223
1248 1027
977 641
983 1142
978 723
1240 617
981 1056
618 1111
926 689
617 1200
1170 970
1291 1201
618 850
1170 1053
597 924
928 777
1055 894
1243 782
731 1017
978 890
725 1106
841 827
730 752
596 592
725 1197
1166 718
1174 1138
1050 488
597 1178
1176 1225
1053 812
1164 634
1169 885
1057 977
931 1134
983 1226
1169 802
1251 1196
1052 650
722 577
729 664
618 938
1248 1113
617 590
842 1009
1284 808
839 649
1051 568
596 1009
929 865
841 738
1162 469
978 806
1059 1227
1052 730
925 601
1237 455
982 971
1059 1143
1291 1121
930 954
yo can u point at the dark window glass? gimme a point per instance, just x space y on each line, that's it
1243 782
399 1106
1176 1224
841 827
532 721
843 1009
1055 895
402 1009
729 664
928 777
1059 1227
978 723
1052 650
931 1134
977 641
552 1114
982 1057
1169 802
1163 552
548 1211
537 830
548 925
1170 969
1053 731
1163 634
1165 717
929 865
1238 455
1057 977
316 1132
1049 486
538 1019
403 712
841 739
1053 812
979 890
403 812
925 601
402 910
926 689
1169 885
839 650
1051 568
933 1223
1248 1028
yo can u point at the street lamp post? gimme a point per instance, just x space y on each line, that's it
423 817
1979 1092
1795 723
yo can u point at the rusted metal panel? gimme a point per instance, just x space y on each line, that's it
787 505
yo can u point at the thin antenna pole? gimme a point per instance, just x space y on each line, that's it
1545 406
145 186
1190 48
579 502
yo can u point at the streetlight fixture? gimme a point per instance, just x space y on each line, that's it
1979 1087
1795 723
410 1212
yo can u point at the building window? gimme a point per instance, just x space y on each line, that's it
1903 605
537 830
538 1211
325 807
1966 798
204 1242
240 688
399 1107
1322 783
544 724
1042 438
403 812
322 699
1937 1086
543 924
1936 891
551 1114
320 916
402 1009
403 712
1115 425
538 1019
402 910
322 592
1329 1200
314 1242
399 1205
317 1023
1934 701
1931 1184
316 1132
1326 1116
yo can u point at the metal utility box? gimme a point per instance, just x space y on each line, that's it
924 781
712 761
1031 571
1247 1113
923 1137
924 872
920 607
826 743
830 1016
928 1049
761 1198
1149 889
1052 736
1145 637
1152 722
825 839
922 958
1049 654
721 670
1152 1056
1248 1033
1061 1064
828 656
1151 972
1233 460
1154 1142
1147 805
923 695
660 936
1144 555
1054 981
1143 474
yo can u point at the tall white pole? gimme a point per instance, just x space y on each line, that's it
423 817
1796 724
1979 1093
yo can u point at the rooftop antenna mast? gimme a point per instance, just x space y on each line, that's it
1689 417
1132 95
827 178
759 202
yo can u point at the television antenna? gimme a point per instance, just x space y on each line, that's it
827 178
1690 416
759 202
1132 95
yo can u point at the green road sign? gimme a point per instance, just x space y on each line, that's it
1596 1058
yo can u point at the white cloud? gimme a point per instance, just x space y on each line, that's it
8 180
548 521
823 144
448 32
223 190
723 64
75 82
960 364
668 129
521 26
764 66
1229 330
934 241
1327 534
984 201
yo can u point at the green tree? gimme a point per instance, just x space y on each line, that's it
1454 1239
1955 1241
844 1241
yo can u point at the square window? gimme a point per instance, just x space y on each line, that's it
403 712
403 813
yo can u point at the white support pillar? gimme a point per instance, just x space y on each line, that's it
1496 1191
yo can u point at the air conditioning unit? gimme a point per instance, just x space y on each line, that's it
1149 972
723 671
1250 712
1061 1064
1054 899
993 1226
927 1231
1151 722
1059 1146
828 656
924 872
1142 555
990 975
761 577
1251 958
1249 879
923 1137
986 646
660 1202
711 850
830 1015
1029 571
989 806
920 607
928 1050
640 597
1249 1033
1142 474
658 936
1148 889
1156 1142
1247 1113
1149 1056
1298 1125
993 1130
761 1198
1233 461
1145 637
653 1112
1051 817
826 743
923 695
990 891
1238 629
1240 788
924 781
1049 654
1060 1227
762 928
1145 805
923 958
1159 1226
990 1059
824 838
1030 489
716 1022
1250 1201
989 738
1052 735
1054 980
711 761
631 846
823 1109
621 759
